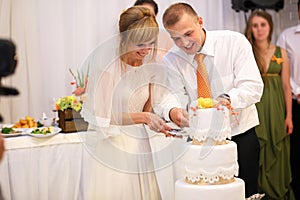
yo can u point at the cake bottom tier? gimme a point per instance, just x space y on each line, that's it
232 191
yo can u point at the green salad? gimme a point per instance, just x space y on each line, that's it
44 130
7 130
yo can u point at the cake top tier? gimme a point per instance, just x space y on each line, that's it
208 123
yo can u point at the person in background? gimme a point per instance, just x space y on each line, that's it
233 77
2 150
152 5
2 147
274 109
290 41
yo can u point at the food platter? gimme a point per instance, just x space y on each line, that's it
39 133
13 132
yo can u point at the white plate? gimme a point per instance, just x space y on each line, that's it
40 135
21 131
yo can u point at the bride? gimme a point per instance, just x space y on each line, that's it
126 84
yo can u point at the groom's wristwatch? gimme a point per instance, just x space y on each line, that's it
225 96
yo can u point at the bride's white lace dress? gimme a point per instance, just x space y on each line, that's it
124 167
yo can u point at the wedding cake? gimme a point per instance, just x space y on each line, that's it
209 163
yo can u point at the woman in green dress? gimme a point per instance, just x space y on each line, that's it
274 109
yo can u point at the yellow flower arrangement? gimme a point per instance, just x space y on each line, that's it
68 102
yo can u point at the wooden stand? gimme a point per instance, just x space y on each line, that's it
71 121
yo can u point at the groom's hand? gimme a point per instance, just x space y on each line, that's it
179 116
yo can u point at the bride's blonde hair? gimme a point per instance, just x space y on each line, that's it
137 25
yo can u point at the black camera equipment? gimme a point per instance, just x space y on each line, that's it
8 63
245 5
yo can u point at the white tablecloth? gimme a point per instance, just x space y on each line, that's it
42 168
61 168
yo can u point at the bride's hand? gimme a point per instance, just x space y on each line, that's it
156 123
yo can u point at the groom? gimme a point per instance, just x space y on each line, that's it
233 76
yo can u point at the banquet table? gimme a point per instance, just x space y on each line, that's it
61 168
42 168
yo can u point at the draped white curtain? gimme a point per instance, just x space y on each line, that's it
53 36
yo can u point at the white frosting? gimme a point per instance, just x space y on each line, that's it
209 168
209 123
210 163
230 191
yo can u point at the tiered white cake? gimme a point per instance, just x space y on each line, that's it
210 162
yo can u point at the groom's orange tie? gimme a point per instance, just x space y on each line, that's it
202 78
